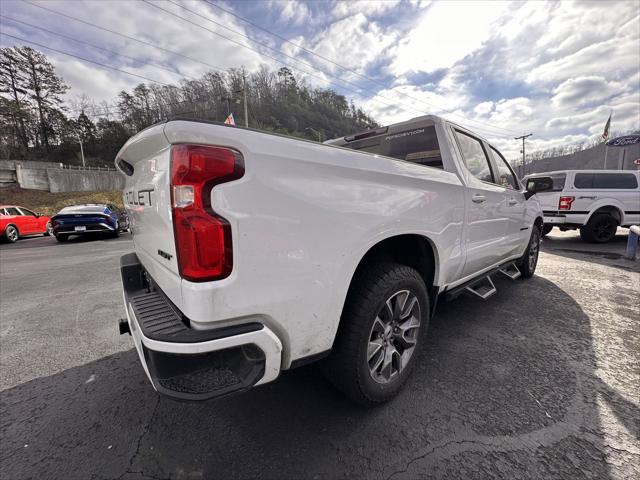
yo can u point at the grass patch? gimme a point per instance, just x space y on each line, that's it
49 203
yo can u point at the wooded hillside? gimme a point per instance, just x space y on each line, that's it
35 123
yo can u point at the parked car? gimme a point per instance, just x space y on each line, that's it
89 219
16 222
257 253
594 201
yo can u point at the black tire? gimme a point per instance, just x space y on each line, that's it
529 260
348 366
62 238
546 229
11 234
601 228
48 230
115 233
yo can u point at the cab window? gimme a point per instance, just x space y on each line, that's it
13 211
505 175
621 181
474 156
28 212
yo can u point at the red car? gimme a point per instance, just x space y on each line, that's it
16 222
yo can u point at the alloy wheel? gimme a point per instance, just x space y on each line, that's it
534 250
393 336
12 233
602 230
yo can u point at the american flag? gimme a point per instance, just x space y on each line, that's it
605 134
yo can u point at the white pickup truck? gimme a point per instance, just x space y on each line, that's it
596 202
256 253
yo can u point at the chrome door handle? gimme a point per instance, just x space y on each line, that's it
512 202
478 198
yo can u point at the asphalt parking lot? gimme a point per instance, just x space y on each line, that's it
540 381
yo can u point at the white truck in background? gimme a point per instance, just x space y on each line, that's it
596 202
256 253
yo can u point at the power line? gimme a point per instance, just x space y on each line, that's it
279 52
85 59
97 47
311 52
240 44
149 44
205 63
406 108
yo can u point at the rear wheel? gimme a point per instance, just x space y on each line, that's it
546 229
48 230
62 238
11 233
529 261
600 228
386 311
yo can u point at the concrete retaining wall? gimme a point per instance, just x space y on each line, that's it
618 158
33 178
83 180
52 177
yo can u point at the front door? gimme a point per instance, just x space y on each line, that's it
29 222
514 208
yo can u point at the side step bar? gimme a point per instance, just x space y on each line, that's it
483 286
511 271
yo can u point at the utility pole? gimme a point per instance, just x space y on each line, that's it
81 150
523 172
244 94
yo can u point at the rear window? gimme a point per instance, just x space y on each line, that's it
84 209
559 180
620 181
416 145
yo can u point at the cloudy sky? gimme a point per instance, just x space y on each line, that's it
554 69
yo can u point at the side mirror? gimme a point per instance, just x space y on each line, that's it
538 184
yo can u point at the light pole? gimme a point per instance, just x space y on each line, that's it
313 130
523 172
81 150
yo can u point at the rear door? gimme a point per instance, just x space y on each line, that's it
514 208
487 222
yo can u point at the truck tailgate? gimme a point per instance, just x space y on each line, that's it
145 160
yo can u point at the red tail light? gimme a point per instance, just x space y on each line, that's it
565 203
203 238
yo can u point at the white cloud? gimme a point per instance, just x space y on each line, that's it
370 8
483 108
581 90
446 33
354 42
294 12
